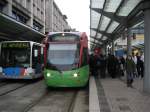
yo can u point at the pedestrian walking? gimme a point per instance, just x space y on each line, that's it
112 66
103 66
130 69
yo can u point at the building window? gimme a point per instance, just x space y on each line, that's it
19 16
1 7
37 26
2 4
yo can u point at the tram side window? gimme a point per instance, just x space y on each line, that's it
84 57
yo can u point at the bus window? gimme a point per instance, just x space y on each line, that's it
36 55
37 58
14 56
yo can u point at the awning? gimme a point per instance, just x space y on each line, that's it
109 18
10 29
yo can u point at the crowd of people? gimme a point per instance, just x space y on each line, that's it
132 66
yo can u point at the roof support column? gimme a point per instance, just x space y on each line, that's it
113 48
147 51
106 50
129 48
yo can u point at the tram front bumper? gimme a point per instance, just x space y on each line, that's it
65 81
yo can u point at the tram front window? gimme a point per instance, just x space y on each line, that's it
62 56
15 57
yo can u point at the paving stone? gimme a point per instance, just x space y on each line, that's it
120 98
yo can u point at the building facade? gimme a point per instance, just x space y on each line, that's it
55 20
42 15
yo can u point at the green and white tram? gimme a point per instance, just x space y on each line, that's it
66 59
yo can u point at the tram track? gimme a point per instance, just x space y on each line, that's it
35 102
3 84
37 98
49 95
72 103
12 89
9 86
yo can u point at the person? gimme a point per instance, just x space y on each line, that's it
138 66
142 65
130 69
103 66
94 62
91 63
112 66
134 58
120 68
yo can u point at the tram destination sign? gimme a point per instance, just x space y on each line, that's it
65 37
15 45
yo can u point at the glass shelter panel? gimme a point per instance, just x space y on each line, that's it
112 5
93 33
112 27
99 35
105 22
94 19
104 38
128 6
97 3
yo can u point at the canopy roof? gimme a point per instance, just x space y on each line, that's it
10 29
110 18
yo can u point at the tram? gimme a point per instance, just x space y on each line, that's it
66 59
21 59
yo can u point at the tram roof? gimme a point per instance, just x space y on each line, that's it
10 29
76 33
109 19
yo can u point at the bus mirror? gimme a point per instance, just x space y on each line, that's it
1 69
35 53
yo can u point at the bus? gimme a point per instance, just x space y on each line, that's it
66 59
21 59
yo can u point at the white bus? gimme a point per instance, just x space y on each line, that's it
21 59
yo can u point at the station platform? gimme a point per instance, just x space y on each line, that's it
113 95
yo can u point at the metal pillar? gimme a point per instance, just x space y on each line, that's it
113 48
129 48
146 84
106 50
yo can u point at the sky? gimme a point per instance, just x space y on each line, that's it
77 12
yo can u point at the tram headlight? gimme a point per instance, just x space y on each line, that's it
75 75
48 74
